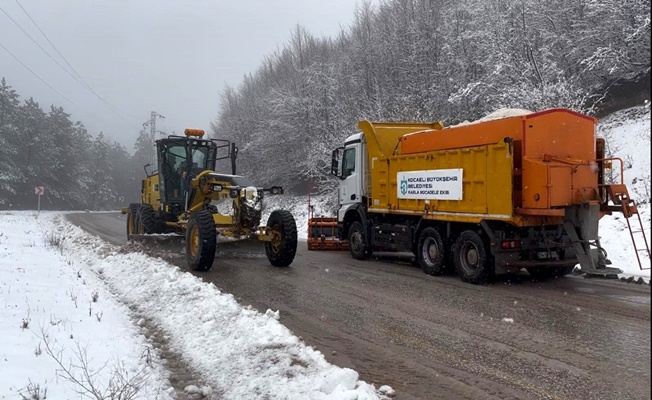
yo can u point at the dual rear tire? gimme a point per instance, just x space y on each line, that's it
141 219
470 256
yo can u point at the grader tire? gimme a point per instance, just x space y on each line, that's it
132 217
147 219
201 241
281 251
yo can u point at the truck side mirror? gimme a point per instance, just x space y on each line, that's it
335 161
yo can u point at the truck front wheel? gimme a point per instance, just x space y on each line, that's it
201 241
358 242
430 253
472 260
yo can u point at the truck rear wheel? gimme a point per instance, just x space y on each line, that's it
472 260
430 252
201 241
358 242
283 247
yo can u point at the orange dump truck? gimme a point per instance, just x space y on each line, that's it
480 198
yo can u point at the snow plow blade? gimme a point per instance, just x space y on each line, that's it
226 247
322 235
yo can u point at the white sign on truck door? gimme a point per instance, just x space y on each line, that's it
434 184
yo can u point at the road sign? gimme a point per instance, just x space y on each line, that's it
39 190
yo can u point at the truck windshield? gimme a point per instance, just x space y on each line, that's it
348 162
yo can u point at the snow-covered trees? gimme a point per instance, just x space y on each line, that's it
429 60
48 149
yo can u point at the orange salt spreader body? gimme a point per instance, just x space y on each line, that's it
557 161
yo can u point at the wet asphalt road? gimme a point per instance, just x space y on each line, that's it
440 338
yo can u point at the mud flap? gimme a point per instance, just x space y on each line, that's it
581 224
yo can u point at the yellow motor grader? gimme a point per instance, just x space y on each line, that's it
178 198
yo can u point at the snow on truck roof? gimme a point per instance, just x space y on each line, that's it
353 139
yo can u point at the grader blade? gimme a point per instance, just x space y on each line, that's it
226 247
173 243
239 248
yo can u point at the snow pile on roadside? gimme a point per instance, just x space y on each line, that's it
238 351
53 307
298 206
627 135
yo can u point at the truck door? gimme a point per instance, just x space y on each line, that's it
350 187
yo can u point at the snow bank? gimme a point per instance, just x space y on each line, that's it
50 300
238 351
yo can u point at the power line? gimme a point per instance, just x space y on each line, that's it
79 80
39 46
42 80
34 73
52 44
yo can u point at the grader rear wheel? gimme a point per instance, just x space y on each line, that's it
147 219
283 246
201 241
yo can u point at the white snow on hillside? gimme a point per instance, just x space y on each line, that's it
627 135
50 272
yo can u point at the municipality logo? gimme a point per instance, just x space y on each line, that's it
404 186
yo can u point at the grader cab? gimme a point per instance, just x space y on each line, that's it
184 196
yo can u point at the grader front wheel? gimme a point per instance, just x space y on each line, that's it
201 241
283 246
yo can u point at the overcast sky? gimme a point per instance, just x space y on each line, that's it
172 56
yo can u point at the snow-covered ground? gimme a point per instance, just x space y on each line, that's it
70 323
72 306
627 135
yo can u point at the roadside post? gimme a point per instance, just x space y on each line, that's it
38 191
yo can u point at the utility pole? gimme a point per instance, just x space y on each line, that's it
152 134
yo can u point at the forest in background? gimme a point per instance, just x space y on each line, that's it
404 60
78 171
432 60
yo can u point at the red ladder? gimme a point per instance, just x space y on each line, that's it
620 197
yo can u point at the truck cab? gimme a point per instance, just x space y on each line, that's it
349 165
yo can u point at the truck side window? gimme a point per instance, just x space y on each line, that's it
348 162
